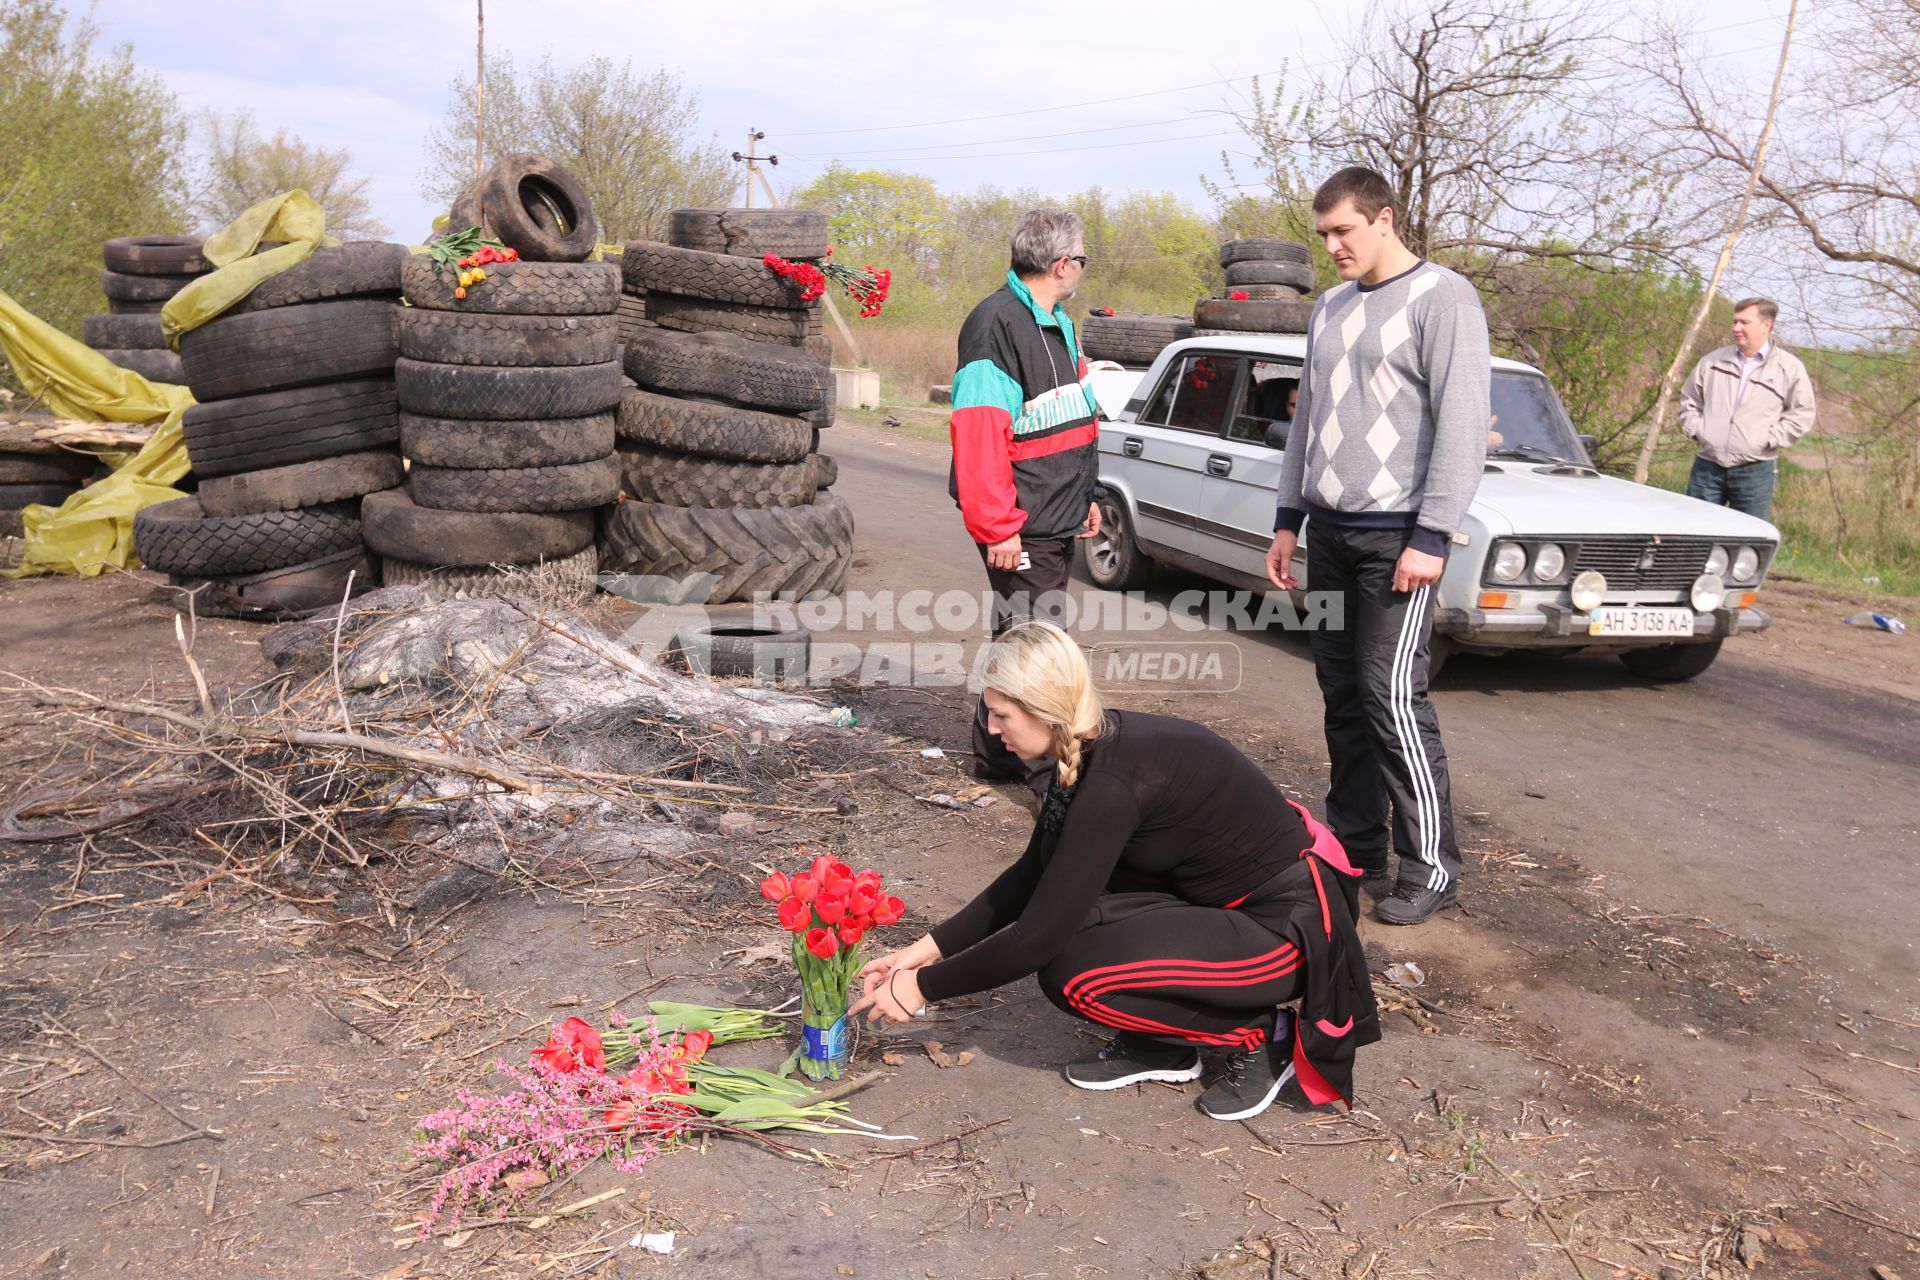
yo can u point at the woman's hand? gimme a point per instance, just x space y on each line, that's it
922 952
894 999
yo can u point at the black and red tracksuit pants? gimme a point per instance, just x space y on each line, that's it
1156 965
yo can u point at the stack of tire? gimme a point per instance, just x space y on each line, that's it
1275 275
46 476
1129 338
506 399
142 273
296 421
726 490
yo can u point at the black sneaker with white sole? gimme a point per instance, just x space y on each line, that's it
1410 902
1129 1059
1249 1082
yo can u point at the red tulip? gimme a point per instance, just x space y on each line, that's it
830 910
836 886
821 865
868 877
863 899
1236 296
822 943
795 915
696 1045
621 1115
573 1044
776 887
842 869
851 932
889 910
805 887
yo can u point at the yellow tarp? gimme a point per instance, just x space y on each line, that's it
292 216
94 528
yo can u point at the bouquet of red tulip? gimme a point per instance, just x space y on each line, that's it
828 909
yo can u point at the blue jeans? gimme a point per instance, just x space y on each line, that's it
1747 487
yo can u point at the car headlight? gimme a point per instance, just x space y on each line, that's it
1746 564
1709 592
1589 589
1549 562
1509 561
1716 562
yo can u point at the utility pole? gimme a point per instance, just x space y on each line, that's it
752 161
479 87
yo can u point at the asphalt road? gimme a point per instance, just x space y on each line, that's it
1784 807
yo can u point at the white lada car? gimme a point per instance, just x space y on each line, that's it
1552 555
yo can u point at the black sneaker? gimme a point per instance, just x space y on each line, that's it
1249 1083
1129 1060
1412 903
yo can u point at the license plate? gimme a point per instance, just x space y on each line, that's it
1640 622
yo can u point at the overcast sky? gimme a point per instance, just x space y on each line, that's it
1128 95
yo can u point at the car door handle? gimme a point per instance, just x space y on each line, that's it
1219 464
1132 445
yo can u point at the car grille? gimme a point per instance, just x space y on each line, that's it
1626 564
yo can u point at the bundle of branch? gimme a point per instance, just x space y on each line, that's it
501 718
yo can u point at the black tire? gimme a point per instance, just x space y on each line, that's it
290 347
572 486
26 494
566 580
703 556
712 430
516 288
631 316
535 442
1269 292
251 433
681 481
695 273
1113 558
303 484
1439 649
1296 275
499 392
360 269
1252 317
432 538
1130 338
763 324
826 472
154 366
46 468
450 337
1262 249
156 256
767 655
758 375
1671 662
278 595
750 233
123 333
127 307
126 288
178 537
538 208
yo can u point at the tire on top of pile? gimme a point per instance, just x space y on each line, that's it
357 269
696 273
538 208
516 288
156 256
1264 249
750 233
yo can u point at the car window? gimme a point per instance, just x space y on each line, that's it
1264 401
1527 419
1194 395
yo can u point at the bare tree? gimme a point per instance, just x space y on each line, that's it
1496 123
239 168
628 136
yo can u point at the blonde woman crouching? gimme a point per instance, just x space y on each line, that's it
1169 891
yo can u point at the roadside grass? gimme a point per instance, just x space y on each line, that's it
909 360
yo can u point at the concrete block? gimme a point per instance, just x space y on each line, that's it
857 388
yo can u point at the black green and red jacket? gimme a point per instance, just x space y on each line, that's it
1025 425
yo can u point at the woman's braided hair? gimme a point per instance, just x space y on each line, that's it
1039 667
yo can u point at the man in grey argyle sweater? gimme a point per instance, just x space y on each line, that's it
1385 453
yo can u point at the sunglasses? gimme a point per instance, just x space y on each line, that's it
1080 258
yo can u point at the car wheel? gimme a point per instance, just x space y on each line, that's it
1114 560
1439 649
1671 661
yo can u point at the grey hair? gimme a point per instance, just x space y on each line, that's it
1043 237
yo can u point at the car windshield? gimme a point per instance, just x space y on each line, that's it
1528 421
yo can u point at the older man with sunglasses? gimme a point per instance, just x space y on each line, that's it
1025 430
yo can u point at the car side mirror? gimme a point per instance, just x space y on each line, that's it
1591 444
1276 434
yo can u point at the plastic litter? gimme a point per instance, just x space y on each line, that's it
842 718
653 1241
933 753
1879 621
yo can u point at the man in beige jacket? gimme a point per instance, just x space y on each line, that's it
1742 405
